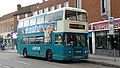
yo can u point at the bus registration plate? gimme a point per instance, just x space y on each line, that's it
78 56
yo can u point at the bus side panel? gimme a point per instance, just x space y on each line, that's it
58 52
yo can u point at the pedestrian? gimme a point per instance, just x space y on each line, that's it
3 47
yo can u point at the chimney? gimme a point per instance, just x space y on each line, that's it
18 7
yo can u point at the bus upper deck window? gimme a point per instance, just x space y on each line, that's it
58 16
75 16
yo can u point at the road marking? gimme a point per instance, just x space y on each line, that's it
23 62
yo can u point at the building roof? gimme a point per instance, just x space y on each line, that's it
7 16
26 9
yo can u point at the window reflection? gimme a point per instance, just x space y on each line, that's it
75 39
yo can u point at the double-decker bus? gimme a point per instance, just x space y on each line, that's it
60 35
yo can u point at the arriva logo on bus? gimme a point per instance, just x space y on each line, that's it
35 48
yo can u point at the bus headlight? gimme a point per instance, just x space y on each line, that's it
86 51
78 51
68 51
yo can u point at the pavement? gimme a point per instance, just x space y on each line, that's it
96 59
104 60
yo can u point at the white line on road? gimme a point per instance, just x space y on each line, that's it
23 62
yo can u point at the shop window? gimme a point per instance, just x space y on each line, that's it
101 40
58 39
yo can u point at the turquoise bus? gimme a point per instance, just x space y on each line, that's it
60 35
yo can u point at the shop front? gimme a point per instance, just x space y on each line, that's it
102 42
9 39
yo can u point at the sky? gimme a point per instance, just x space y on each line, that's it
8 6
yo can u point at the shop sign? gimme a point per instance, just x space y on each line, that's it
111 28
105 25
117 23
99 26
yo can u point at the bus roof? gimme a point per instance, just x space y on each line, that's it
57 10
68 8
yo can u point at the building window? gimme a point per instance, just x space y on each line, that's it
4 28
103 6
40 11
18 17
46 0
52 8
20 24
26 15
59 6
45 10
66 4
12 27
35 13
40 1
78 3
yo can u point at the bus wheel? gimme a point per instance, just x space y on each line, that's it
49 55
25 53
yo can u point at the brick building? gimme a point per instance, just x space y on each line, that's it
7 30
102 43
22 12
9 22
49 5
98 10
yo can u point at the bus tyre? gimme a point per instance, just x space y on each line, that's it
49 55
25 53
